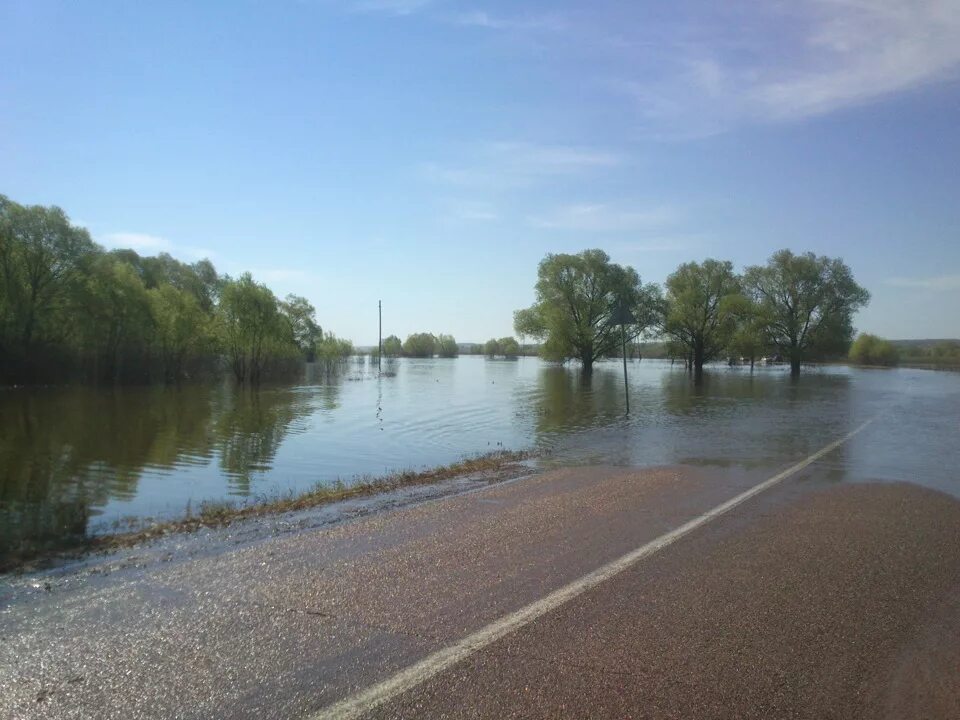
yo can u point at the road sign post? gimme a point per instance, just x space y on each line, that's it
622 316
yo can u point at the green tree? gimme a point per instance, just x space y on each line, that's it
253 328
303 325
420 345
872 350
702 304
392 347
491 348
509 347
808 303
182 329
332 349
42 257
573 312
447 346
749 340
114 320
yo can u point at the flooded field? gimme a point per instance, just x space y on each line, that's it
79 460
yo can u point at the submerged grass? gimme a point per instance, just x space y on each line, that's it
493 466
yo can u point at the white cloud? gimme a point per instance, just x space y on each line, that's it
482 19
602 217
939 282
391 7
859 51
146 244
512 164
141 242
781 62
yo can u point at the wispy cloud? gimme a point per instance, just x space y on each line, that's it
859 51
938 282
482 19
147 244
510 164
602 217
659 243
391 7
782 62
137 241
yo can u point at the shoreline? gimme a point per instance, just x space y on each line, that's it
488 468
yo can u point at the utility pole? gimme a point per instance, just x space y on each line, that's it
620 315
380 334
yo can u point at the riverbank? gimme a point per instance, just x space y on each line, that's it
485 468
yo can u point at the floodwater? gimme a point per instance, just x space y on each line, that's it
75 460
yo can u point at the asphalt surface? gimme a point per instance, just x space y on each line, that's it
810 600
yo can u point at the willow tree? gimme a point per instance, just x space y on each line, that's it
703 300
807 303
574 310
254 330
42 258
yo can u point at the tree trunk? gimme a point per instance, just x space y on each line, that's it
795 366
587 362
698 360
751 363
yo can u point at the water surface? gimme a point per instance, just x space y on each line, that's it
79 460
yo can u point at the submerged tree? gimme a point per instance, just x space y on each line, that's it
702 304
420 345
392 347
253 327
574 309
869 349
42 259
509 347
182 329
749 340
807 303
303 325
447 346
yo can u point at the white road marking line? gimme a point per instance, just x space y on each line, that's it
365 700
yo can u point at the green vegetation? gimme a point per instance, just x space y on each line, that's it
419 345
806 304
447 346
573 312
70 310
703 300
872 350
506 347
929 353
332 349
796 306
392 347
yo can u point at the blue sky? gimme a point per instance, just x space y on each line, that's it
429 153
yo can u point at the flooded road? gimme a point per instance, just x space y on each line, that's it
77 460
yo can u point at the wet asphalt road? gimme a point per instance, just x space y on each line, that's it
814 599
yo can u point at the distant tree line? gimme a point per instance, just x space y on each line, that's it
420 345
796 307
506 347
71 310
